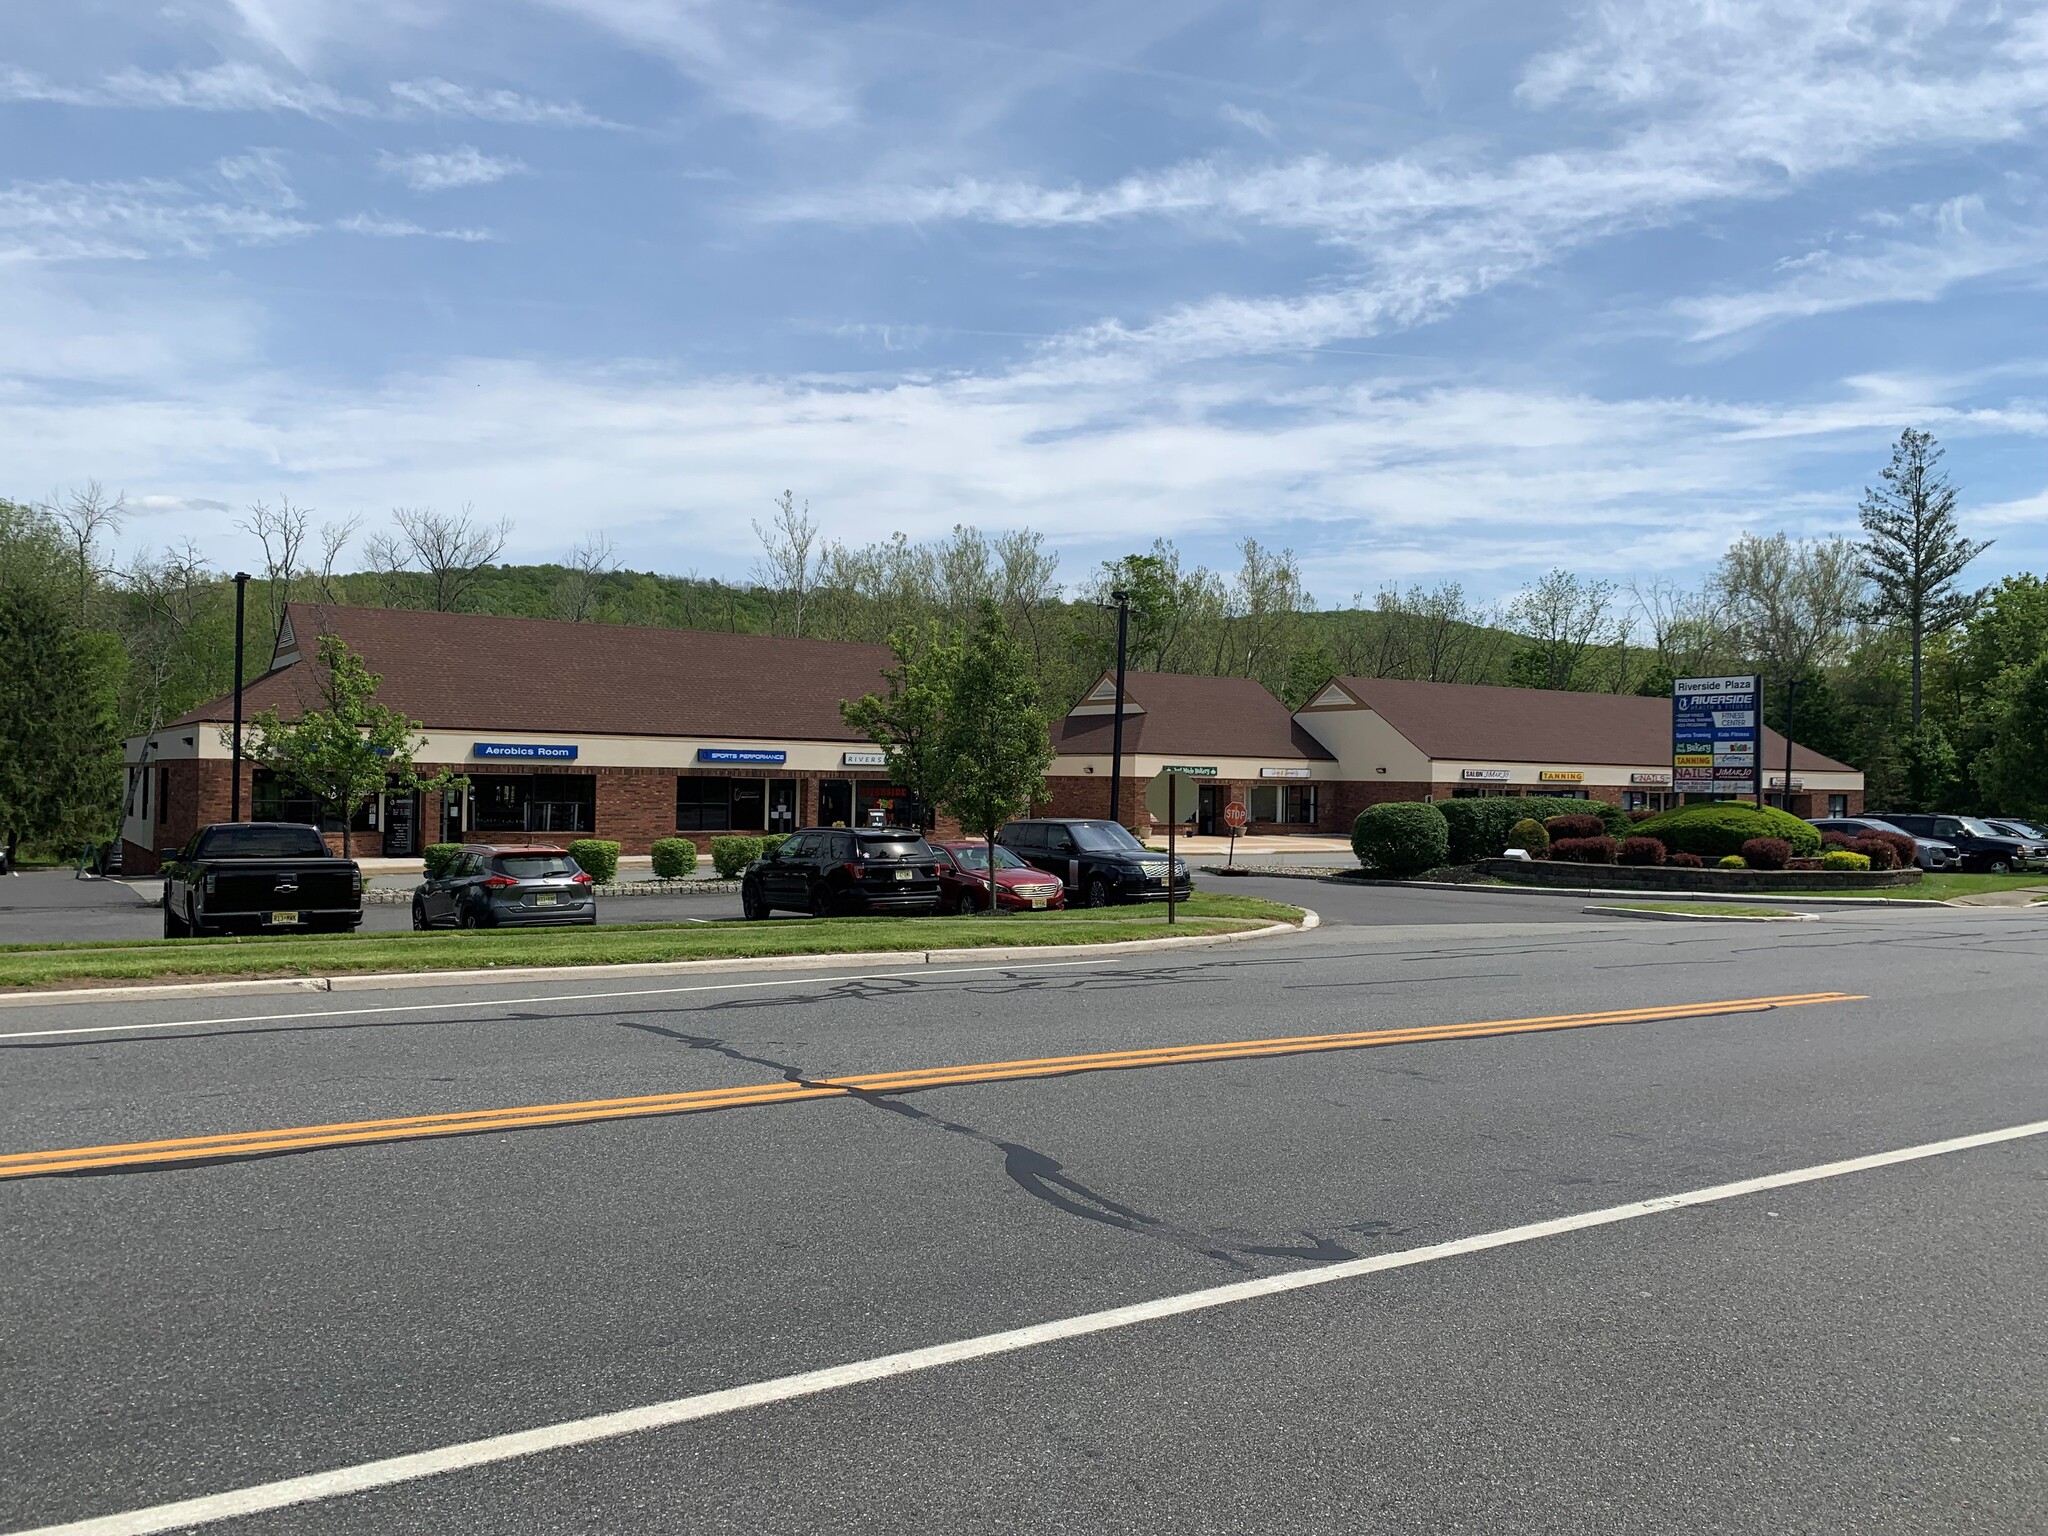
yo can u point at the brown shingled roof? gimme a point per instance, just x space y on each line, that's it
475 671
1534 725
1192 717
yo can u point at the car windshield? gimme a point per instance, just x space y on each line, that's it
537 866
893 845
260 840
977 858
1105 837
1976 828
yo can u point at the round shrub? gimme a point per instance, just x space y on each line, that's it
438 856
675 858
1835 840
1636 817
1877 849
731 855
1586 850
1402 839
1529 836
1480 824
596 857
771 843
1767 853
1843 858
1575 825
1904 849
1685 860
1731 861
1641 850
1722 827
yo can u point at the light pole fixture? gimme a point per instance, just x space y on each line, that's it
235 771
1122 599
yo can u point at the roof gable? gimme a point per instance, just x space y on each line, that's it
1174 712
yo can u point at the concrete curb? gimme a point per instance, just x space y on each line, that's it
1701 917
1583 891
380 981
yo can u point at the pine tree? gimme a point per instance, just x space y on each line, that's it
60 748
1913 550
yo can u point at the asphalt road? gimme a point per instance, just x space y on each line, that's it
51 906
1861 1351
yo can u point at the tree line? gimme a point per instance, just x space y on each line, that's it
1937 690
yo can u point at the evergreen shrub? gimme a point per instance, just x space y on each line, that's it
675 858
1401 839
437 857
1844 858
1721 827
597 857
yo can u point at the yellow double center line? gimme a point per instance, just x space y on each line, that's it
20 1165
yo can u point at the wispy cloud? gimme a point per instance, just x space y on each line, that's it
130 221
1250 118
258 176
239 86
372 227
427 170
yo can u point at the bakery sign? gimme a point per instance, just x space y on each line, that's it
1485 775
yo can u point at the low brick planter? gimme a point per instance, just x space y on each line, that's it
1666 877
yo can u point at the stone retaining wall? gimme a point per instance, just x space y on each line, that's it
1665 877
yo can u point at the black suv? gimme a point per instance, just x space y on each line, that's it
1980 845
1099 862
834 871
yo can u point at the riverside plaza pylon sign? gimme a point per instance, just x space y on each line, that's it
1716 735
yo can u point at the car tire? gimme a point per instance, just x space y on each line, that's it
821 901
419 916
1998 866
968 904
1098 894
467 918
752 907
195 925
174 926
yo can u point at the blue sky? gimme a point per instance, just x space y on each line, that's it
1458 290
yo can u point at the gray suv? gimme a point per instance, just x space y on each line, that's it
1929 853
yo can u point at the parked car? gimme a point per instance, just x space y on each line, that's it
1982 847
834 871
258 877
963 880
1928 852
2032 831
1098 862
489 886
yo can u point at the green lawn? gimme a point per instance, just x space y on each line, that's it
1700 908
1936 887
30 965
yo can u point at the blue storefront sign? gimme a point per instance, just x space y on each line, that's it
742 755
552 754
1716 735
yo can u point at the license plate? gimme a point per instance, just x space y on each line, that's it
284 917
545 899
1038 901
906 874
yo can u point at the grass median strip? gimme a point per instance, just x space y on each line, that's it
51 965
186 1149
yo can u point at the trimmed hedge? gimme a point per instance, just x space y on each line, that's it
1731 861
1585 850
771 843
1529 836
1843 858
1722 827
1881 849
1480 825
596 857
1641 850
1401 839
1684 860
437 857
675 858
1577 824
1767 853
731 855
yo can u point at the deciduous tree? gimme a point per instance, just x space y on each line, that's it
995 734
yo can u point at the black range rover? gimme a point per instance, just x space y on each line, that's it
1099 862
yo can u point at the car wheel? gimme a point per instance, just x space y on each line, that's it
2000 866
195 925
467 919
752 907
174 925
1098 892
967 905
821 901
419 916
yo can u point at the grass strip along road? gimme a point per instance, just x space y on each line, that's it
48 965
753 1095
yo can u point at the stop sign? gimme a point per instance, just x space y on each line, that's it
1235 813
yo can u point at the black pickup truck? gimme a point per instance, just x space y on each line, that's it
259 877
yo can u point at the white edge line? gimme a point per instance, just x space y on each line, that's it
343 1481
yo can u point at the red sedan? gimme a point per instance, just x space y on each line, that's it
963 880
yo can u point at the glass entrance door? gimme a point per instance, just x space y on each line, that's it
402 825
1209 810
782 805
835 802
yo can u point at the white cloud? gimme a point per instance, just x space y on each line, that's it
258 176
1966 246
1250 118
243 87
372 227
426 170
129 220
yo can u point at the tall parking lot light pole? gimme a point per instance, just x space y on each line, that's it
235 772
1791 703
1116 729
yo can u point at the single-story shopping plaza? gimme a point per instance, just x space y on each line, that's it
586 730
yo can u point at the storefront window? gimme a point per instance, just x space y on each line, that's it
271 800
1300 807
539 802
705 804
